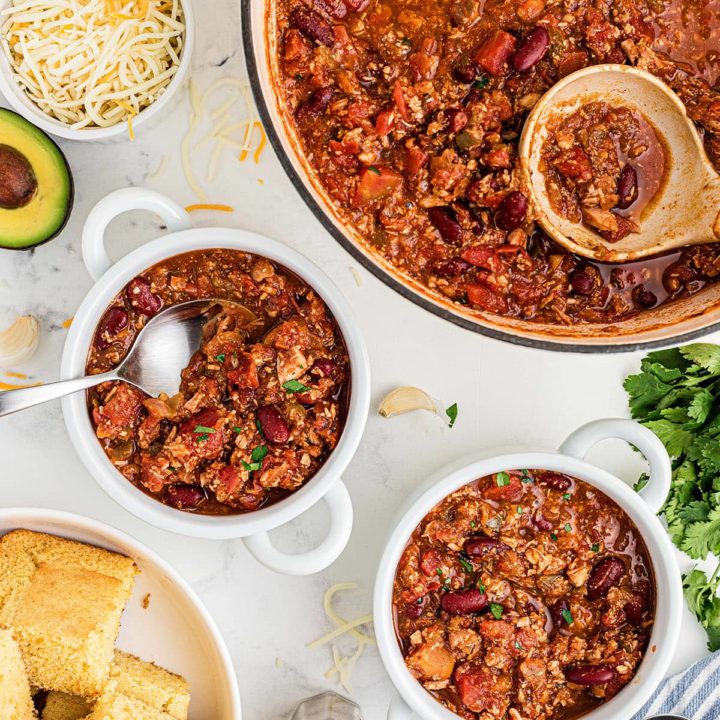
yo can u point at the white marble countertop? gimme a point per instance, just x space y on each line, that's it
507 395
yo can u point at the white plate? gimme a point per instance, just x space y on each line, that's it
175 631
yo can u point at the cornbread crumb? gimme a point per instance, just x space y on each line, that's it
61 706
15 699
146 601
114 706
63 600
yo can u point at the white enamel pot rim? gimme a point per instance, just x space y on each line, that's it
196 615
23 105
110 278
413 701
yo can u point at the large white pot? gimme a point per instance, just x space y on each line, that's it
110 278
642 508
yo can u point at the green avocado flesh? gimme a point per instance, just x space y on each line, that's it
36 188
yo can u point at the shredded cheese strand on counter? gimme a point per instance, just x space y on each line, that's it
343 666
93 63
209 206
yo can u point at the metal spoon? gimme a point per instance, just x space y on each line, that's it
685 210
160 353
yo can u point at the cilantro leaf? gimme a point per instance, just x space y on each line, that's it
294 386
452 413
705 355
701 595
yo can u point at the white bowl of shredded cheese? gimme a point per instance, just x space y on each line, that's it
93 69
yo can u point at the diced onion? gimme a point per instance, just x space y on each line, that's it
94 63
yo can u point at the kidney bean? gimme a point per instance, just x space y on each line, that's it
357 5
556 481
635 608
532 49
313 25
315 105
457 119
273 424
465 602
541 523
644 298
591 674
583 282
556 612
448 227
451 268
482 546
142 298
334 8
184 497
325 366
512 211
465 71
414 610
604 575
627 186
113 321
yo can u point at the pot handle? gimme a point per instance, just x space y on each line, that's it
340 508
399 710
655 492
96 259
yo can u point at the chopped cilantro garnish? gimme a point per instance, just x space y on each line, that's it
518 646
480 586
439 571
220 357
567 496
452 413
237 430
259 453
373 169
407 42
481 82
259 428
295 386
519 510
204 429
446 587
567 616
502 479
203 437
553 536
172 469
568 527
595 547
467 566
496 610
473 523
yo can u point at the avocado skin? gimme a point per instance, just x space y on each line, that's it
12 116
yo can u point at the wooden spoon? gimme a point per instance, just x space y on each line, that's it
686 209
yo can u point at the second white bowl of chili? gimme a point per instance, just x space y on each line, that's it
531 583
123 297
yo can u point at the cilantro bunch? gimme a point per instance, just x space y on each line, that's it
677 396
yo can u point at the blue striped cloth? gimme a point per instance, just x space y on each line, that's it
692 693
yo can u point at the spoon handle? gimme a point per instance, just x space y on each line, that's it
13 400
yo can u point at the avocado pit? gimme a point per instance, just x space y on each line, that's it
18 183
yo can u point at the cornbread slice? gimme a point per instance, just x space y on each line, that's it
61 706
115 706
15 698
63 600
153 685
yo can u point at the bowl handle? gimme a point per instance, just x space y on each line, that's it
399 710
96 259
656 490
340 508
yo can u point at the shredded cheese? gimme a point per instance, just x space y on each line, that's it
19 375
93 63
343 666
8 386
160 169
67 323
209 206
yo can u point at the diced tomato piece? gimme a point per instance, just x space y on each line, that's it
376 183
430 561
123 408
482 691
245 375
483 297
495 52
415 159
399 100
574 163
229 478
384 122
479 255
511 492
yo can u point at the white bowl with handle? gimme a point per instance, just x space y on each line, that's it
164 621
111 278
412 700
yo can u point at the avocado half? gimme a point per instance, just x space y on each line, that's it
36 186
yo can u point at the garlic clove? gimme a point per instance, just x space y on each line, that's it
406 399
19 341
